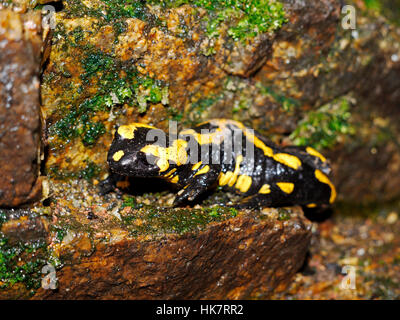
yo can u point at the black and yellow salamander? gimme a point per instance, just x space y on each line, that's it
225 153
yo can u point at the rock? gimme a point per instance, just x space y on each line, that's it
20 39
251 261
187 68
236 259
127 249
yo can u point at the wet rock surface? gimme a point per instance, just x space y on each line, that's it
20 38
127 249
237 259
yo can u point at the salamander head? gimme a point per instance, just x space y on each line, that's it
125 156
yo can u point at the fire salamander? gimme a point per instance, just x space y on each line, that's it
225 153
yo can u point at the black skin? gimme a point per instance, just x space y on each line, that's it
266 170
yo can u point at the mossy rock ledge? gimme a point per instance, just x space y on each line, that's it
213 253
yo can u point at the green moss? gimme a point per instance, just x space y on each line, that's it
130 202
158 221
390 9
246 18
283 214
90 171
324 127
21 263
60 232
373 4
117 84
199 107
174 114
109 10
288 104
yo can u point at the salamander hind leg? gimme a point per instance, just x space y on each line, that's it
274 195
252 202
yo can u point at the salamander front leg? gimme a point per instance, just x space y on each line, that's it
197 184
110 183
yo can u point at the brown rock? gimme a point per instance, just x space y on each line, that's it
19 107
243 257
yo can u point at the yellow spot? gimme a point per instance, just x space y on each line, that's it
224 178
315 153
324 179
168 174
222 124
196 166
215 137
265 189
311 205
163 164
128 131
203 170
235 173
118 155
202 123
288 160
243 183
174 179
286 187
259 144
253 139
175 153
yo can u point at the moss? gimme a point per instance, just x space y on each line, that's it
109 10
283 214
90 171
117 84
199 107
131 202
175 114
246 18
149 220
324 127
21 263
288 104
373 4
390 9
60 232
